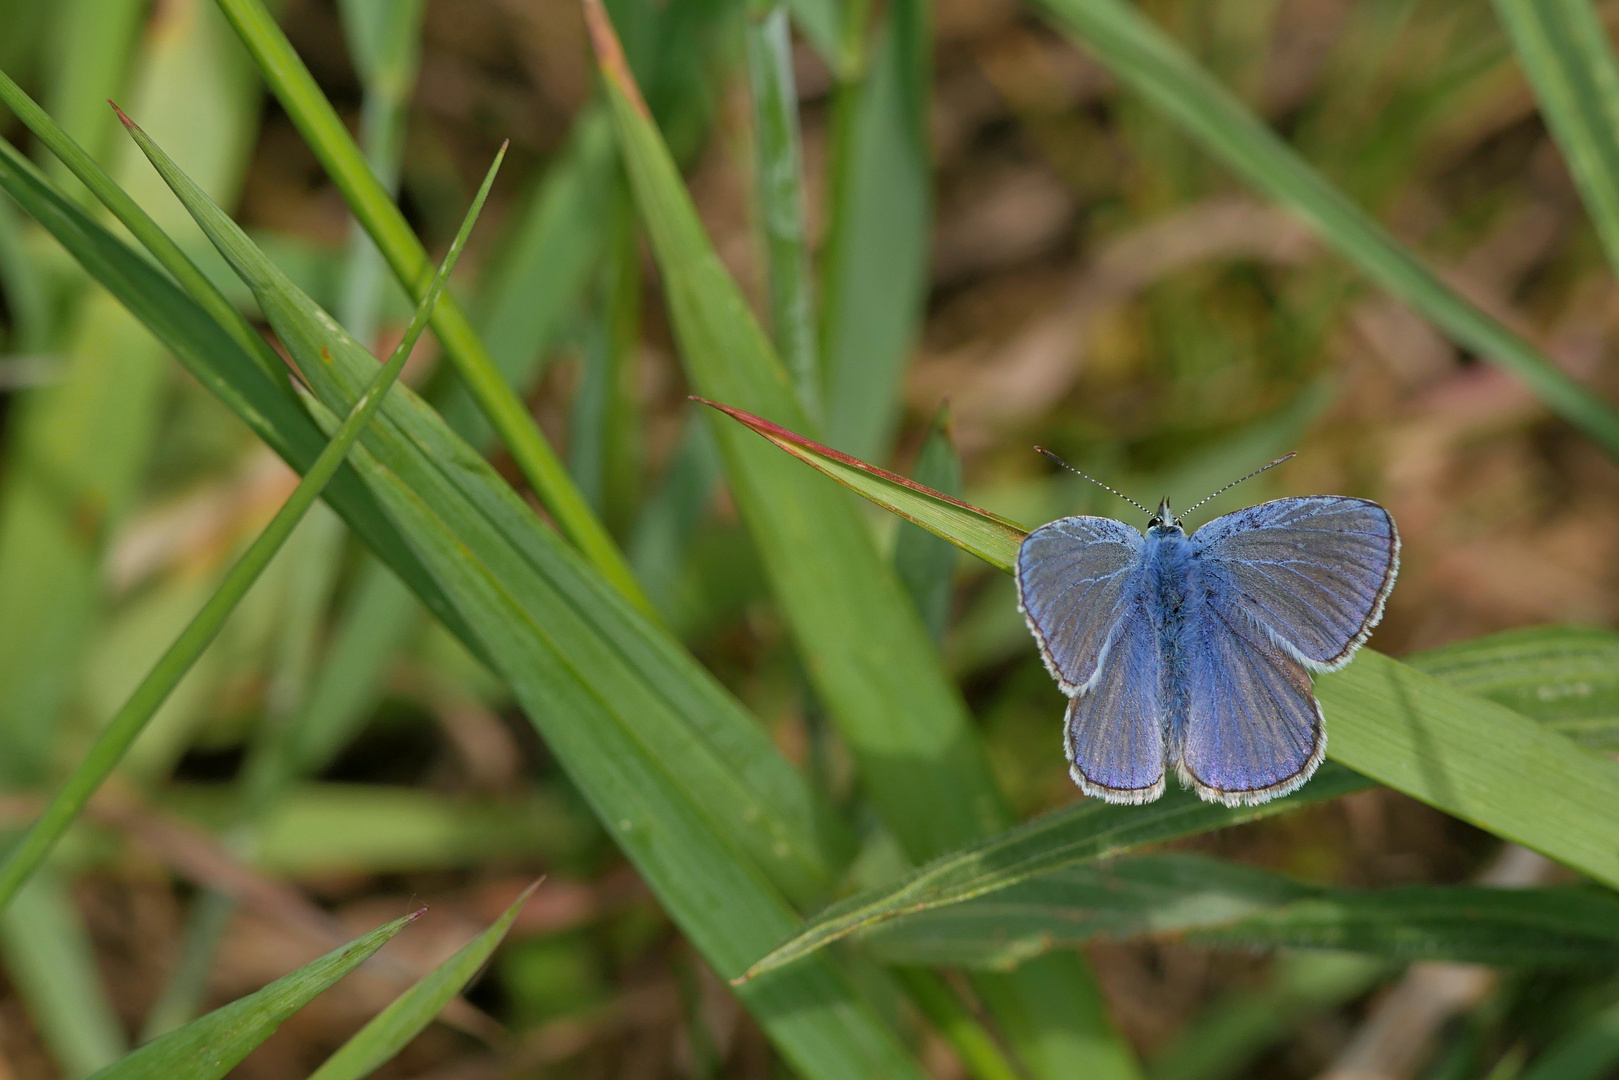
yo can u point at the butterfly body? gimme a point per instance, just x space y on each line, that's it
1193 652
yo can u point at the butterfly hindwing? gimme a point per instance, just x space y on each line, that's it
1113 733
1248 727
1076 579
1312 573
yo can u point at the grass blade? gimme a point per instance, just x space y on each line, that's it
901 715
142 227
778 186
1144 58
1564 49
719 900
844 605
1084 833
1566 677
944 1010
715 820
975 531
1197 898
327 136
540 276
51 961
93 44
214 357
924 561
875 276
756 797
1589 1051
392 1029
121 732
211 1045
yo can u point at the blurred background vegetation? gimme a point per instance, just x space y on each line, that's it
994 222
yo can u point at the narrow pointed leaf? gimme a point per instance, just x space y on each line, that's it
1564 49
713 817
975 531
778 184
216 360
210 1046
1190 897
865 648
876 272
1084 833
406 1016
120 733
331 142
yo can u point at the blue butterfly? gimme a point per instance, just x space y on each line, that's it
1195 651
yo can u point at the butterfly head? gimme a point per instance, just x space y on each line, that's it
1164 520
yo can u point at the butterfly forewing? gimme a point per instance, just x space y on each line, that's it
1312 573
1076 579
1251 728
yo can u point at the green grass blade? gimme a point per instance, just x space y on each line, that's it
662 540
821 23
990 537
944 1010
844 606
717 898
21 284
142 227
211 1045
51 961
1567 677
384 39
1475 760
924 560
778 164
392 1029
1563 48
1466 756
1589 1051
875 273
327 136
93 44
902 716
1197 898
211 355
1147 60
120 733
1084 833
540 275
604 435
649 672
632 718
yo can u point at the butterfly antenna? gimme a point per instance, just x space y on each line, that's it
1234 483
1093 480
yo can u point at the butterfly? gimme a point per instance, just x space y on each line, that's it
1195 651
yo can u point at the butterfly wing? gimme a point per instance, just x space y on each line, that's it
1076 579
1247 728
1312 573
1113 732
